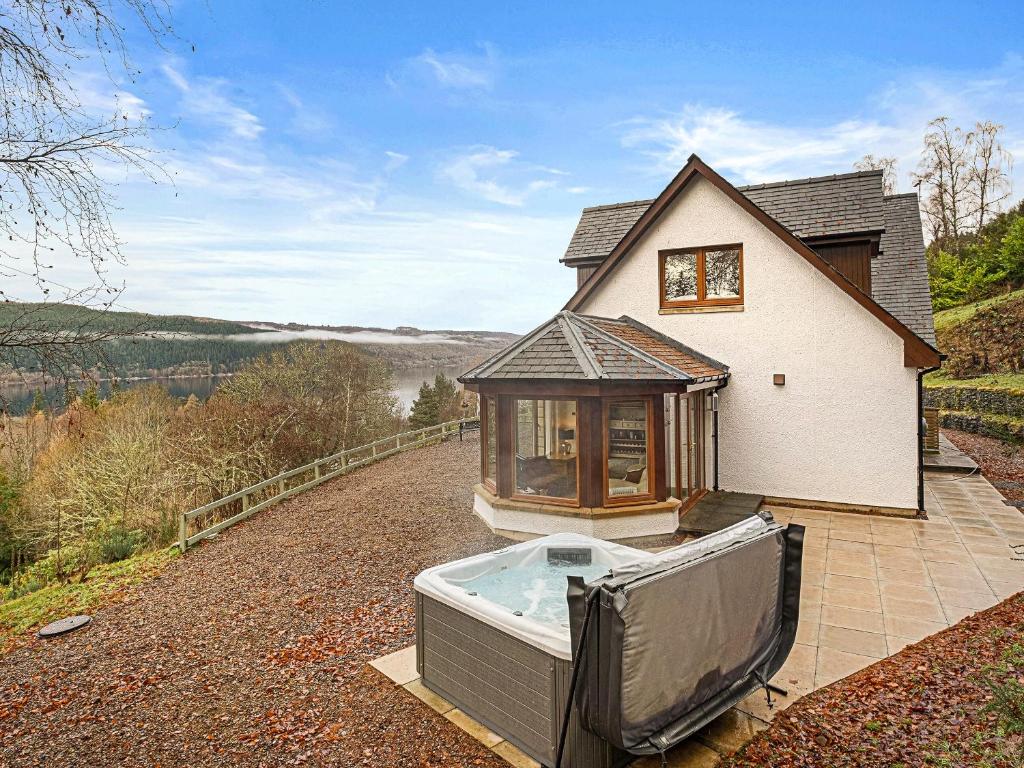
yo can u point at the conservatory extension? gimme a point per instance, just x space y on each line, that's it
596 426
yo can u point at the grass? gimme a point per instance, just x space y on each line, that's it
956 315
1004 382
103 585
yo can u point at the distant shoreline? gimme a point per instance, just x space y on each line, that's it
36 380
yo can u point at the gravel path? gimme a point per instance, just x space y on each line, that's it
252 649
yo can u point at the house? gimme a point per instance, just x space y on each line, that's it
767 339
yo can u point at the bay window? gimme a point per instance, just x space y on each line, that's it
545 440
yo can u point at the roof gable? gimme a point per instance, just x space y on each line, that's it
821 206
916 352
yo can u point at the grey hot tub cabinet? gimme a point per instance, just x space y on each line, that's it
668 648
515 689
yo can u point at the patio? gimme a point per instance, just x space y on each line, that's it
871 586
318 589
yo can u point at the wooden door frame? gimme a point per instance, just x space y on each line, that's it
696 450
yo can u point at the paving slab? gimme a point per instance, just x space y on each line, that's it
870 587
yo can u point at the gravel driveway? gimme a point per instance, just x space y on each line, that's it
252 649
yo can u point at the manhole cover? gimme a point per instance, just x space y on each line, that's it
62 627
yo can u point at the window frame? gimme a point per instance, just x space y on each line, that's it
701 300
651 495
486 425
536 497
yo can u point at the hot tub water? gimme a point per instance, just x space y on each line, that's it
537 589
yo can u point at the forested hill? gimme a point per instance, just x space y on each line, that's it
66 316
181 345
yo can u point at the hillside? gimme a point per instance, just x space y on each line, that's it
948 318
983 338
980 387
181 345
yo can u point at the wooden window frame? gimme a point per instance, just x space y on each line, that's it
651 495
490 483
536 497
701 300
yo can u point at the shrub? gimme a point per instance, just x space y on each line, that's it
116 544
109 478
56 565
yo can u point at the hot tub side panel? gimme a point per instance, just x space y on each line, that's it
516 690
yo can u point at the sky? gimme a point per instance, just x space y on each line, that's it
424 164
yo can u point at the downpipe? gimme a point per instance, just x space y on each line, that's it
714 434
921 427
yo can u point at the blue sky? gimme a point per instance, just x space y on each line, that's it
424 164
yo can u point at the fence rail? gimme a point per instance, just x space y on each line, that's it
319 471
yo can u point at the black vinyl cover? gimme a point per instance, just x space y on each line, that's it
670 648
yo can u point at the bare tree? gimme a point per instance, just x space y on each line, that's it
57 156
944 177
990 171
887 165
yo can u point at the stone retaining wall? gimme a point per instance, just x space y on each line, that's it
975 401
990 425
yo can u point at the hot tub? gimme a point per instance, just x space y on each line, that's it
492 637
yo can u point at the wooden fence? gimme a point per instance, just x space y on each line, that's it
293 481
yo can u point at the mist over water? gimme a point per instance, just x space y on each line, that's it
17 398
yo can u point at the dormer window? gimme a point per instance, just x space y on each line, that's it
711 276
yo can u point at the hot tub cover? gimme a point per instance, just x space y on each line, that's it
674 641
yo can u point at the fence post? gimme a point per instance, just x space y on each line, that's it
416 439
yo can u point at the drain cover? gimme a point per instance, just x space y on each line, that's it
62 627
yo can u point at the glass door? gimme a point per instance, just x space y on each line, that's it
685 432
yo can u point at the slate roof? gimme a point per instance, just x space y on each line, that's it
899 276
823 205
844 203
572 347
819 206
600 229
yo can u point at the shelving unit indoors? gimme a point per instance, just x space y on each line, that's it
627 432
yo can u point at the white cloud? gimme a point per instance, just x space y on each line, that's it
451 268
306 120
395 160
477 171
204 98
97 94
748 149
461 71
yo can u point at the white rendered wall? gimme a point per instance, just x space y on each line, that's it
525 524
844 427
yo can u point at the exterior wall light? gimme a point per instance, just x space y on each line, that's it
779 379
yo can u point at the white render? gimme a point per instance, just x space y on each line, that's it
527 524
843 429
